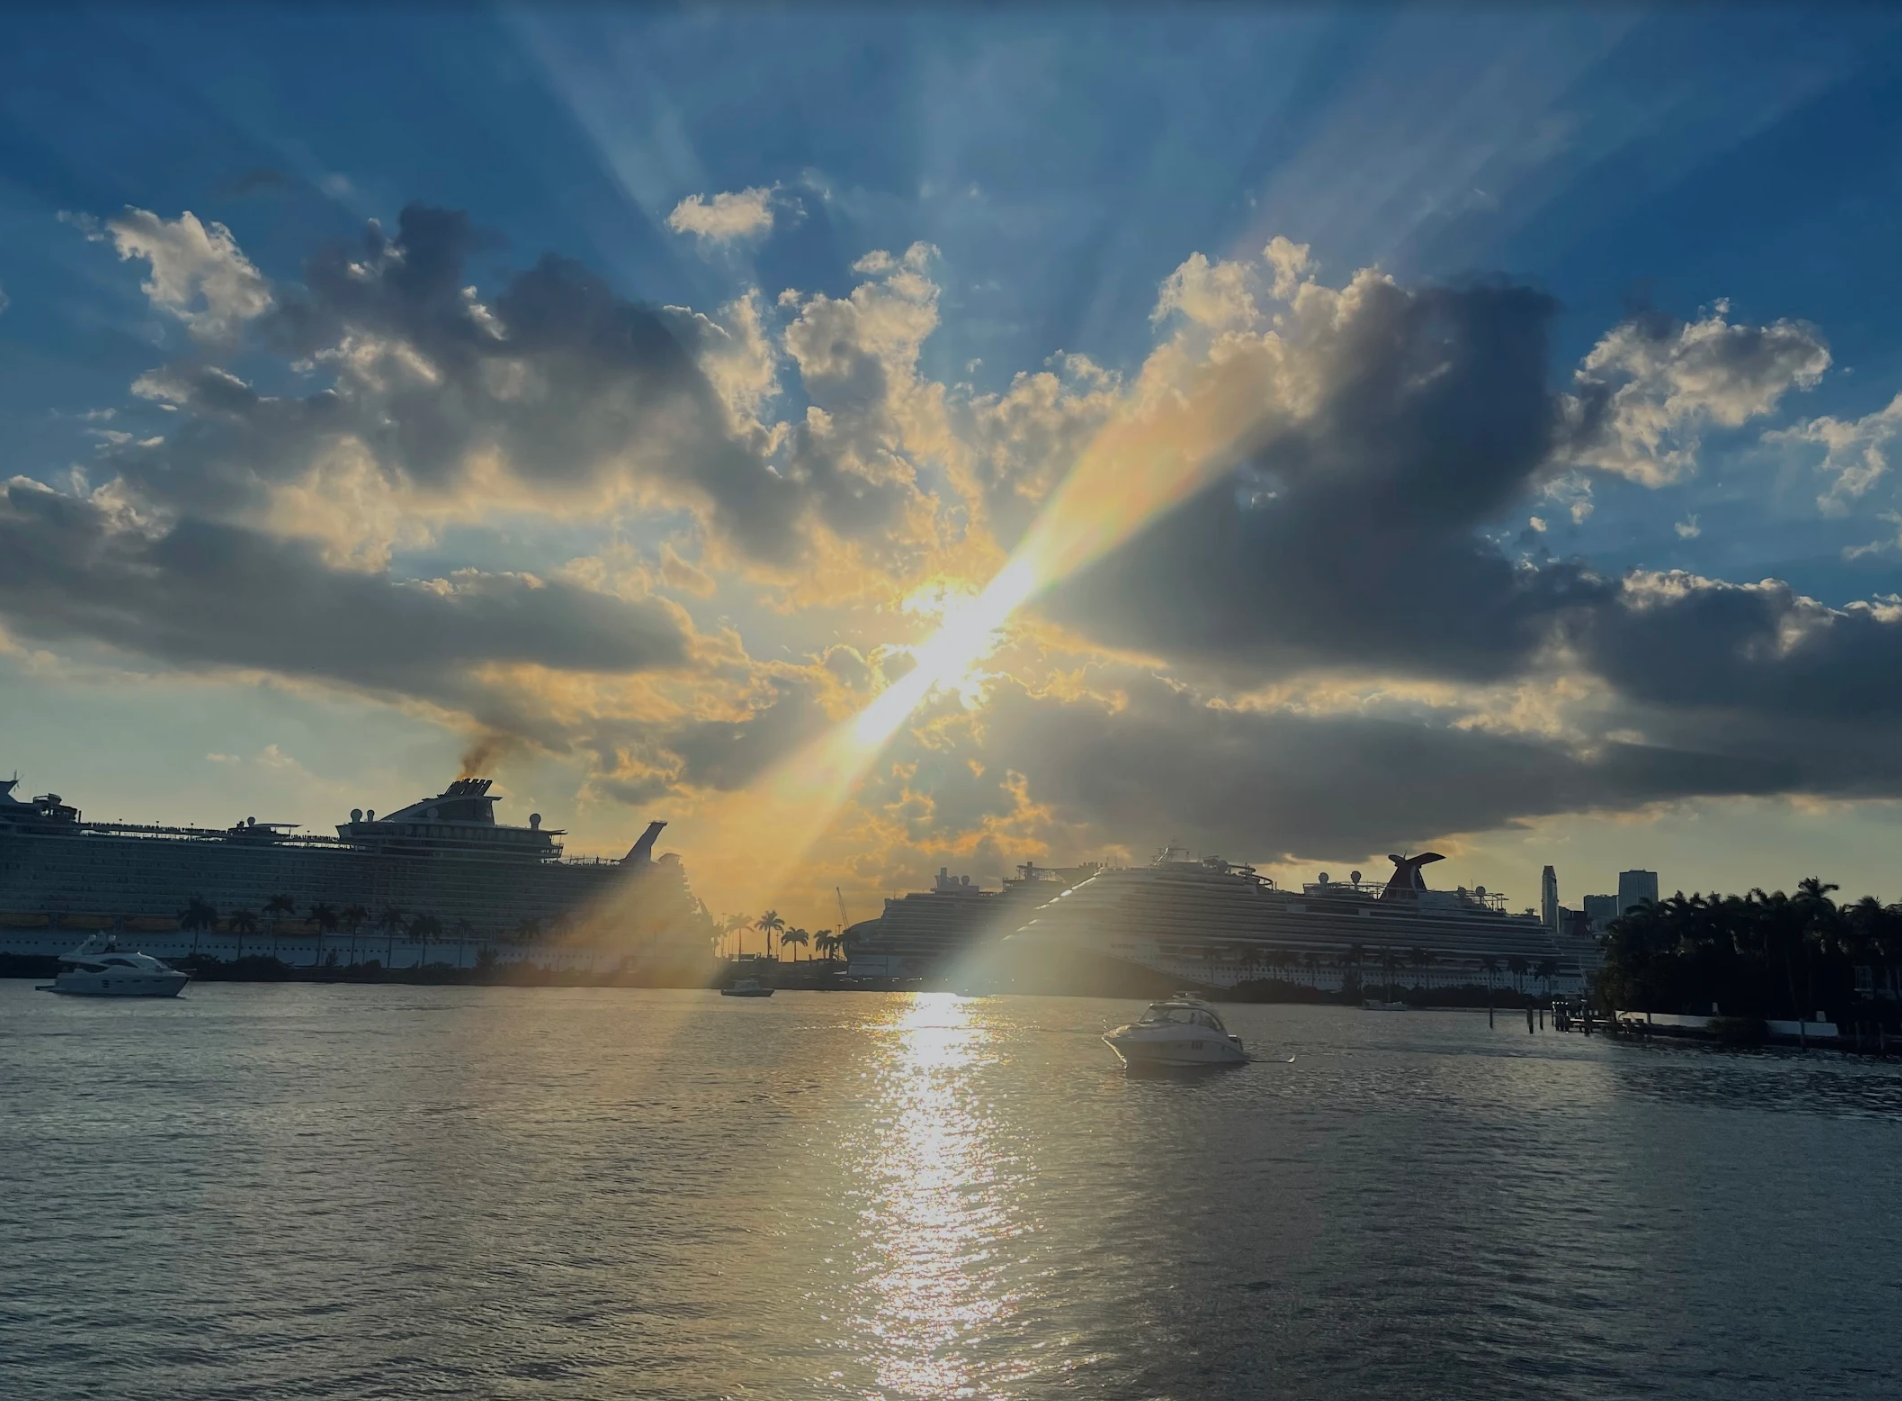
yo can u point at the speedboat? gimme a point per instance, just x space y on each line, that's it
747 987
1374 1004
1184 1030
100 968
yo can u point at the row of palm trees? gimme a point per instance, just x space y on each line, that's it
201 917
1759 954
775 927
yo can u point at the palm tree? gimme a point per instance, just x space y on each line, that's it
463 930
737 926
198 916
243 922
326 920
797 938
769 924
277 909
1518 966
827 943
354 918
424 930
1420 960
1548 970
1351 964
390 921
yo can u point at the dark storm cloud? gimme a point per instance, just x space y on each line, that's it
731 754
559 380
202 594
1280 785
1349 536
1678 640
1352 537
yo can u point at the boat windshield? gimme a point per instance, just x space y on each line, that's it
1183 1016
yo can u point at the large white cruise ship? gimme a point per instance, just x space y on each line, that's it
1219 925
304 897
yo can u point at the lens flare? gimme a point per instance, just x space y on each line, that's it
1151 460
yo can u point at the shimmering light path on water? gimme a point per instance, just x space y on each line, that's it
387 1192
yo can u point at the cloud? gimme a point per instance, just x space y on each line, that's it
730 217
1856 452
1653 386
558 392
198 273
1389 424
201 595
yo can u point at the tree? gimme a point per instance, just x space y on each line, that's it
1518 965
769 924
463 931
735 925
1419 960
326 919
354 918
827 943
1548 970
391 920
277 909
199 916
243 922
424 930
798 938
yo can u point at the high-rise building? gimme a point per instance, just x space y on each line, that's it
1600 911
1549 898
1635 887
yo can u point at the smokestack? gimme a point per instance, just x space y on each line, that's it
642 852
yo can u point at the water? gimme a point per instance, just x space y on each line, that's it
288 1191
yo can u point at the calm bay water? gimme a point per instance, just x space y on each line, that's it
262 1191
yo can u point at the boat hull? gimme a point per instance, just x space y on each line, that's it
96 985
1145 1051
746 992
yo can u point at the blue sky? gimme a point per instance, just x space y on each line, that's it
1736 169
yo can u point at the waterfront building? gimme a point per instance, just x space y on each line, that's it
1600 911
1635 887
1549 899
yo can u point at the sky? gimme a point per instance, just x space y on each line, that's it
875 442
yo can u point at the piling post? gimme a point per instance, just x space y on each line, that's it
1528 1019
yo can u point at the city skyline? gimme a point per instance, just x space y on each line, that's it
1471 439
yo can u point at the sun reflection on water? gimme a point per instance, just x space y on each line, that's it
929 1275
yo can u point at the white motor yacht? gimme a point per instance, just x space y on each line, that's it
1181 1031
100 968
747 987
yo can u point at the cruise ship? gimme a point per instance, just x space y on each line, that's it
923 937
1213 924
229 891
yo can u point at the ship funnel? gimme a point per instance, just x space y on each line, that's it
642 852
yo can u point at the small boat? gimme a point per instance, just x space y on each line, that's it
1182 1031
1375 1005
747 987
100 968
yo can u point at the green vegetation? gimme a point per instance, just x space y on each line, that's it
1754 956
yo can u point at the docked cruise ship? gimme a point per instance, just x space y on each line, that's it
1214 924
445 856
922 937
